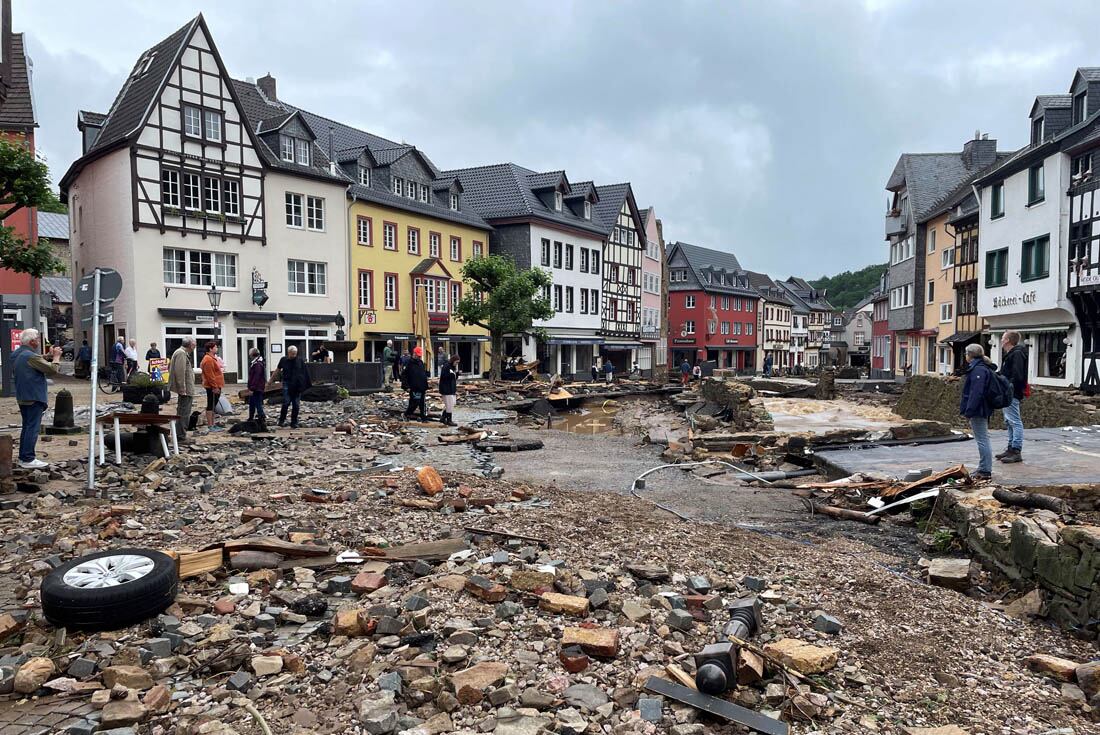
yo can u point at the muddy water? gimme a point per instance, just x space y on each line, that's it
606 416
807 414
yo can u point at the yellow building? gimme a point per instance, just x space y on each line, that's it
939 296
409 230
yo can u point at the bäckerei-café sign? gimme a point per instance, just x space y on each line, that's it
1025 299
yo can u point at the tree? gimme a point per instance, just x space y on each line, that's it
53 204
847 289
502 300
24 183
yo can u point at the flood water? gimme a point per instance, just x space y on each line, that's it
598 415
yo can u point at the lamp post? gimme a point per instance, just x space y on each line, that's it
215 298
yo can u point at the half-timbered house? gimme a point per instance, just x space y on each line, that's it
621 320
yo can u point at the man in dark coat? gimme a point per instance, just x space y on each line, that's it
416 379
1014 367
975 407
292 371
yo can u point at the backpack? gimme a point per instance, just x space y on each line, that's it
998 392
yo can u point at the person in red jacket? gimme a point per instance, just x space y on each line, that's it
257 384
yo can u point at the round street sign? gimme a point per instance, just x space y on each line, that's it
110 286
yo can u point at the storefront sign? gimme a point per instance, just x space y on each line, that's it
683 341
1001 302
368 316
731 341
651 333
1089 279
16 339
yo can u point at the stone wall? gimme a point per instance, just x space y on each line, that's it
1033 549
937 399
738 401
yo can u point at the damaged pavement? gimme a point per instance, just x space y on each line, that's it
364 574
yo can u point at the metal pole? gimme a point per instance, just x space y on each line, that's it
94 377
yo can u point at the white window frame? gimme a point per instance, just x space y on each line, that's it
389 243
557 201
397 186
364 176
302 153
412 240
212 126
192 121
309 275
365 284
689 301
947 312
192 191
286 148
434 244
947 258
557 298
424 189
315 213
389 286
931 241
689 326
456 248
211 194
454 201
231 197
294 210
170 188
200 268
587 209
362 231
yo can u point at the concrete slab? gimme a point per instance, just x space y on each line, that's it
1065 456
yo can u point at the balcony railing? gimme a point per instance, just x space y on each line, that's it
896 223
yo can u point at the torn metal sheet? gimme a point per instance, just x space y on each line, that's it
718 707
912 498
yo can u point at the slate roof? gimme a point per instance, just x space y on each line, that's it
53 225
928 178
1089 73
387 198
767 288
610 204
1023 157
702 260
17 112
806 293
92 118
503 190
60 286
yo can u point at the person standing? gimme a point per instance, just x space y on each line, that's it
448 388
131 354
1014 367
415 376
83 360
595 371
320 354
975 407
608 370
389 363
29 370
181 381
768 366
294 375
153 352
118 361
213 380
696 372
257 385
685 372
403 362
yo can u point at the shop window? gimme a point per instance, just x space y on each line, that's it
1051 354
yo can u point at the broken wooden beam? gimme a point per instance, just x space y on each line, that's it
276 546
845 514
1031 500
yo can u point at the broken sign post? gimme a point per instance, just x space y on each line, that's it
718 707
96 290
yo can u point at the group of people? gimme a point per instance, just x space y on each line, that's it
976 405
689 373
410 371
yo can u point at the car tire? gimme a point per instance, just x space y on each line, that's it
109 590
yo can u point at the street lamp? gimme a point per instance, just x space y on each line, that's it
215 298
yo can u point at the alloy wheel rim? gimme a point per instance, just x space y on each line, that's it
108 571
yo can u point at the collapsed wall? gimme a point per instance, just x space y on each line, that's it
738 403
937 399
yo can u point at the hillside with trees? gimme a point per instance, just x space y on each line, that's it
846 289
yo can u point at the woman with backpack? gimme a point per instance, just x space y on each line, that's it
975 406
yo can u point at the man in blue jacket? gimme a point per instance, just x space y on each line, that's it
975 407
29 369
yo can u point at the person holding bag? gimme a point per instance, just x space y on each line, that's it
213 380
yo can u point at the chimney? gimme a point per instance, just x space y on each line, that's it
979 152
266 83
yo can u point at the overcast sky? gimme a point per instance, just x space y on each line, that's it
764 128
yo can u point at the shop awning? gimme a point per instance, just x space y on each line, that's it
575 341
960 337
460 338
256 316
622 345
309 318
185 313
384 336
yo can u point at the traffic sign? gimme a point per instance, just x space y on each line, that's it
110 286
106 316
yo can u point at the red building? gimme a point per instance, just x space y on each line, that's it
711 308
881 345
17 123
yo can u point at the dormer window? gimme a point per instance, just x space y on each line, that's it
424 189
454 201
143 65
410 189
286 148
1036 130
294 150
397 186
557 201
587 209
1080 106
364 176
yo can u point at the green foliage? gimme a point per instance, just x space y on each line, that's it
503 300
24 183
847 289
52 204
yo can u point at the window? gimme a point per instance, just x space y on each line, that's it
170 188
293 210
1080 105
997 200
456 294
544 256
441 295
557 201
587 209
931 241
593 301
196 268
947 312
456 249
413 238
1037 130
1035 193
725 327
996 268
689 326
410 189
901 250
390 287
479 249
569 299
748 328
433 244
584 299
424 193
364 176
568 257
1035 259
595 262
398 186
725 303
901 297
363 230
689 302
315 213
1081 166
557 298
192 121
212 194
191 197
212 125
286 148
365 289
389 236
737 327
931 292
712 302
557 254
301 152
307 278
454 201
584 260
1052 352
231 195
947 258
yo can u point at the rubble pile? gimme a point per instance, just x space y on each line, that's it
736 403
937 399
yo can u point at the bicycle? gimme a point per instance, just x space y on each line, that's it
108 379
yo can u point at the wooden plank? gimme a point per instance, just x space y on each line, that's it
681 676
277 546
958 471
428 550
194 564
